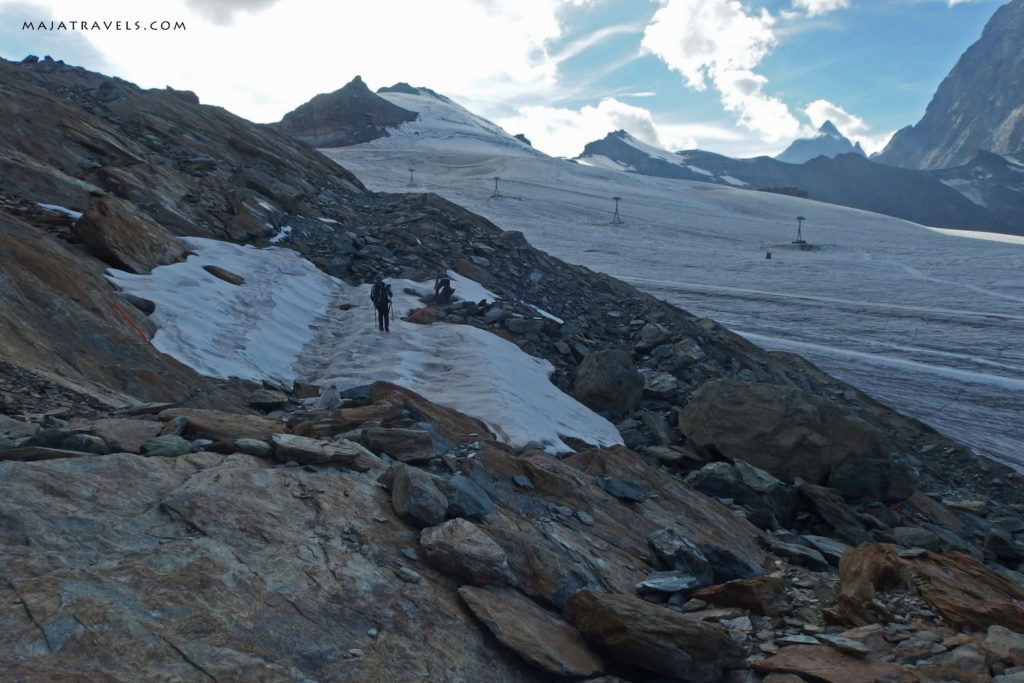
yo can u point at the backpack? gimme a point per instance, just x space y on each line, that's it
375 293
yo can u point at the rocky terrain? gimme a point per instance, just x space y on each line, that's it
763 521
977 107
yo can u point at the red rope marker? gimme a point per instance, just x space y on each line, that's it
134 326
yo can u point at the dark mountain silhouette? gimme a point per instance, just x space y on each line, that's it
347 116
951 199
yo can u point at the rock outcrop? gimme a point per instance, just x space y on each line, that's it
348 116
978 106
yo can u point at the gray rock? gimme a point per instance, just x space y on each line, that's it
673 581
166 446
654 334
830 548
916 537
465 497
801 555
523 326
308 451
255 447
673 552
622 489
414 495
845 645
607 381
658 426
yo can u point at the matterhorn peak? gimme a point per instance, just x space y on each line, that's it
829 142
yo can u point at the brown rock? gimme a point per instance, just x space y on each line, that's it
410 446
608 381
761 595
125 237
462 548
823 663
536 635
129 434
34 453
961 589
653 638
224 274
221 426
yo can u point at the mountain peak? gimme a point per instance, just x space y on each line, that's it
829 128
829 142
347 116
977 106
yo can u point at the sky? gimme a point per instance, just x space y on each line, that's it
741 78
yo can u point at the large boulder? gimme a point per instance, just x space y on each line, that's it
121 235
961 589
653 638
608 381
789 433
462 548
415 496
536 635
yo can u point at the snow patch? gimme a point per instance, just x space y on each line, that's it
289 321
60 209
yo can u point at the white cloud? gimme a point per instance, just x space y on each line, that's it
816 7
698 38
717 42
564 132
262 58
223 11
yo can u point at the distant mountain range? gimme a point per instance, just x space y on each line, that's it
961 167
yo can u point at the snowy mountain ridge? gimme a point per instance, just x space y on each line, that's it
829 142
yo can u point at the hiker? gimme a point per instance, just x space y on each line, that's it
380 295
443 289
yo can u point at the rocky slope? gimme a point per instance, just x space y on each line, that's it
763 519
977 107
347 116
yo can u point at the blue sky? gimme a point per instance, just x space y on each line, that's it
742 78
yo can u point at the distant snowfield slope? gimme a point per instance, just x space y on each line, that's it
927 321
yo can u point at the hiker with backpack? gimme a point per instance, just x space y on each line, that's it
380 295
443 289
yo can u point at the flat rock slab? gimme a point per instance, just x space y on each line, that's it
536 635
129 434
824 663
307 451
653 637
221 426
